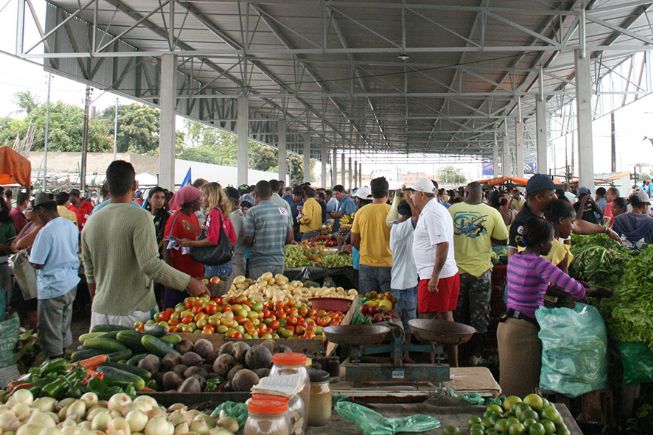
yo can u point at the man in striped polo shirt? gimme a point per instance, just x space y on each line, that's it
267 230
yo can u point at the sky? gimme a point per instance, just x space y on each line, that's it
633 122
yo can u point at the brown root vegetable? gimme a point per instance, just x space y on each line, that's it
170 361
235 369
191 359
282 348
184 346
180 369
210 358
203 347
270 344
191 371
171 381
201 380
262 373
244 380
227 348
150 363
240 351
223 364
258 357
190 385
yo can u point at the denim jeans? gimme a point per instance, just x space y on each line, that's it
374 278
222 270
406 305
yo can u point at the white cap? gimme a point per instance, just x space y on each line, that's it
363 192
422 185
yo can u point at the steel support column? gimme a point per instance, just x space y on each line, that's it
518 170
355 183
242 131
167 132
584 119
324 157
307 157
349 175
506 167
541 135
282 155
495 157
360 174
343 172
334 168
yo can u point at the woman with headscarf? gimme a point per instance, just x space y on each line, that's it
217 209
182 225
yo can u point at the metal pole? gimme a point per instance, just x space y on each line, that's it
349 178
242 130
87 105
613 143
307 157
115 131
495 156
343 172
360 174
334 168
282 154
541 143
167 114
584 116
47 136
324 156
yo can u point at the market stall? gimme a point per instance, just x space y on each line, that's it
14 168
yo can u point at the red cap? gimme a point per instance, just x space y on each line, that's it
289 359
267 405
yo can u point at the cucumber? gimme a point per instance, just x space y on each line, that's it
105 344
121 355
84 337
155 330
156 346
131 369
110 328
121 378
134 360
171 339
83 354
132 340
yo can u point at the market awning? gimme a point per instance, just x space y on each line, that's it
14 168
504 180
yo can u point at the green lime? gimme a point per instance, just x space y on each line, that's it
562 430
451 430
476 430
549 426
534 401
530 414
502 425
528 422
510 401
474 419
488 422
536 429
550 413
519 409
495 408
512 420
516 429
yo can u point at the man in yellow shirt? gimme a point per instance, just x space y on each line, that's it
476 227
371 236
62 204
310 222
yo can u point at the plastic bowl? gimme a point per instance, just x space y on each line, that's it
331 304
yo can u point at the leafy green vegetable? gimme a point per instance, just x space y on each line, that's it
599 260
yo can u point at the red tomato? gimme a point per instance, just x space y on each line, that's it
226 308
324 321
275 325
290 328
280 314
303 311
266 313
240 319
187 319
300 329
293 320
237 336
217 300
312 312
197 309
211 307
188 303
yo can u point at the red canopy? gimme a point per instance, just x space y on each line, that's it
505 180
14 168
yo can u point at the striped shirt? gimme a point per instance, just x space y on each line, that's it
528 279
268 223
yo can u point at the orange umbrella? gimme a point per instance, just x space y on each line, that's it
14 168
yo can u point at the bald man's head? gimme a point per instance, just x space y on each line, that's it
473 192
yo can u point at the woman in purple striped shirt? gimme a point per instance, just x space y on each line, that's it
528 275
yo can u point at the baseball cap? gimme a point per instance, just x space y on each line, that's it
584 191
422 185
641 196
538 183
248 198
363 192
43 198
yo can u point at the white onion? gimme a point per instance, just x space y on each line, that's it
21 410
69 430
181 429
29 429
44 404
41 419
8 420
101 421
119 402
90 399
51 431
159 426
76 410
23 396
200 426
90 415
137 420
148 401
119 426
64 403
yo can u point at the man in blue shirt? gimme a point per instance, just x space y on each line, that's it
54 256
332 202
346 206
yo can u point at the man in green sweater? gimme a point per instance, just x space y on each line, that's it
121 258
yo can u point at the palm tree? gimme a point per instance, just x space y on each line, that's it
26 101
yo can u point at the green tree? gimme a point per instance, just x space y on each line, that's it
296 169
263 157
10 128
451 175
26 101
138 128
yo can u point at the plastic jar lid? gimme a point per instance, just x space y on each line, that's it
289 359
318 376
267 405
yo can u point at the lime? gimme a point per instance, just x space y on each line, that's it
512 420
495 408
562 430
474 419
549 426
502 425
491 431
451 430
509 402
516 429
519 409
534 401
476 429
528 422
488 422
491 414
550 413
536 429
530 414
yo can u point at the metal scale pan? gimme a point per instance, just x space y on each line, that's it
356 335
441 332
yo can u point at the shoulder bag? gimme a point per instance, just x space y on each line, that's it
25 275
217 254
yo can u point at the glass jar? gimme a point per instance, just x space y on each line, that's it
297 418
319 412
291 363
267 417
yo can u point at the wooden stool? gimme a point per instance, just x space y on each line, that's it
593 407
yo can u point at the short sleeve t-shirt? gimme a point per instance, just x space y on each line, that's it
404 272
517 226
475 225
370 223
268 224
434 226
181 226
55 247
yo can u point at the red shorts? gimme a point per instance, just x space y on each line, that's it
446 298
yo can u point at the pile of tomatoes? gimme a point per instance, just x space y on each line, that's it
241 318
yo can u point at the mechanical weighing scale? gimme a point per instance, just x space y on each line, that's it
366 340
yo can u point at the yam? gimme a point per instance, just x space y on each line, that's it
244 380
227 348
258 357
240 351
171 381
223 364
235 369
190 385
203 347
180 369
150 363
192 370
170 361
191 359
184 346
270 344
